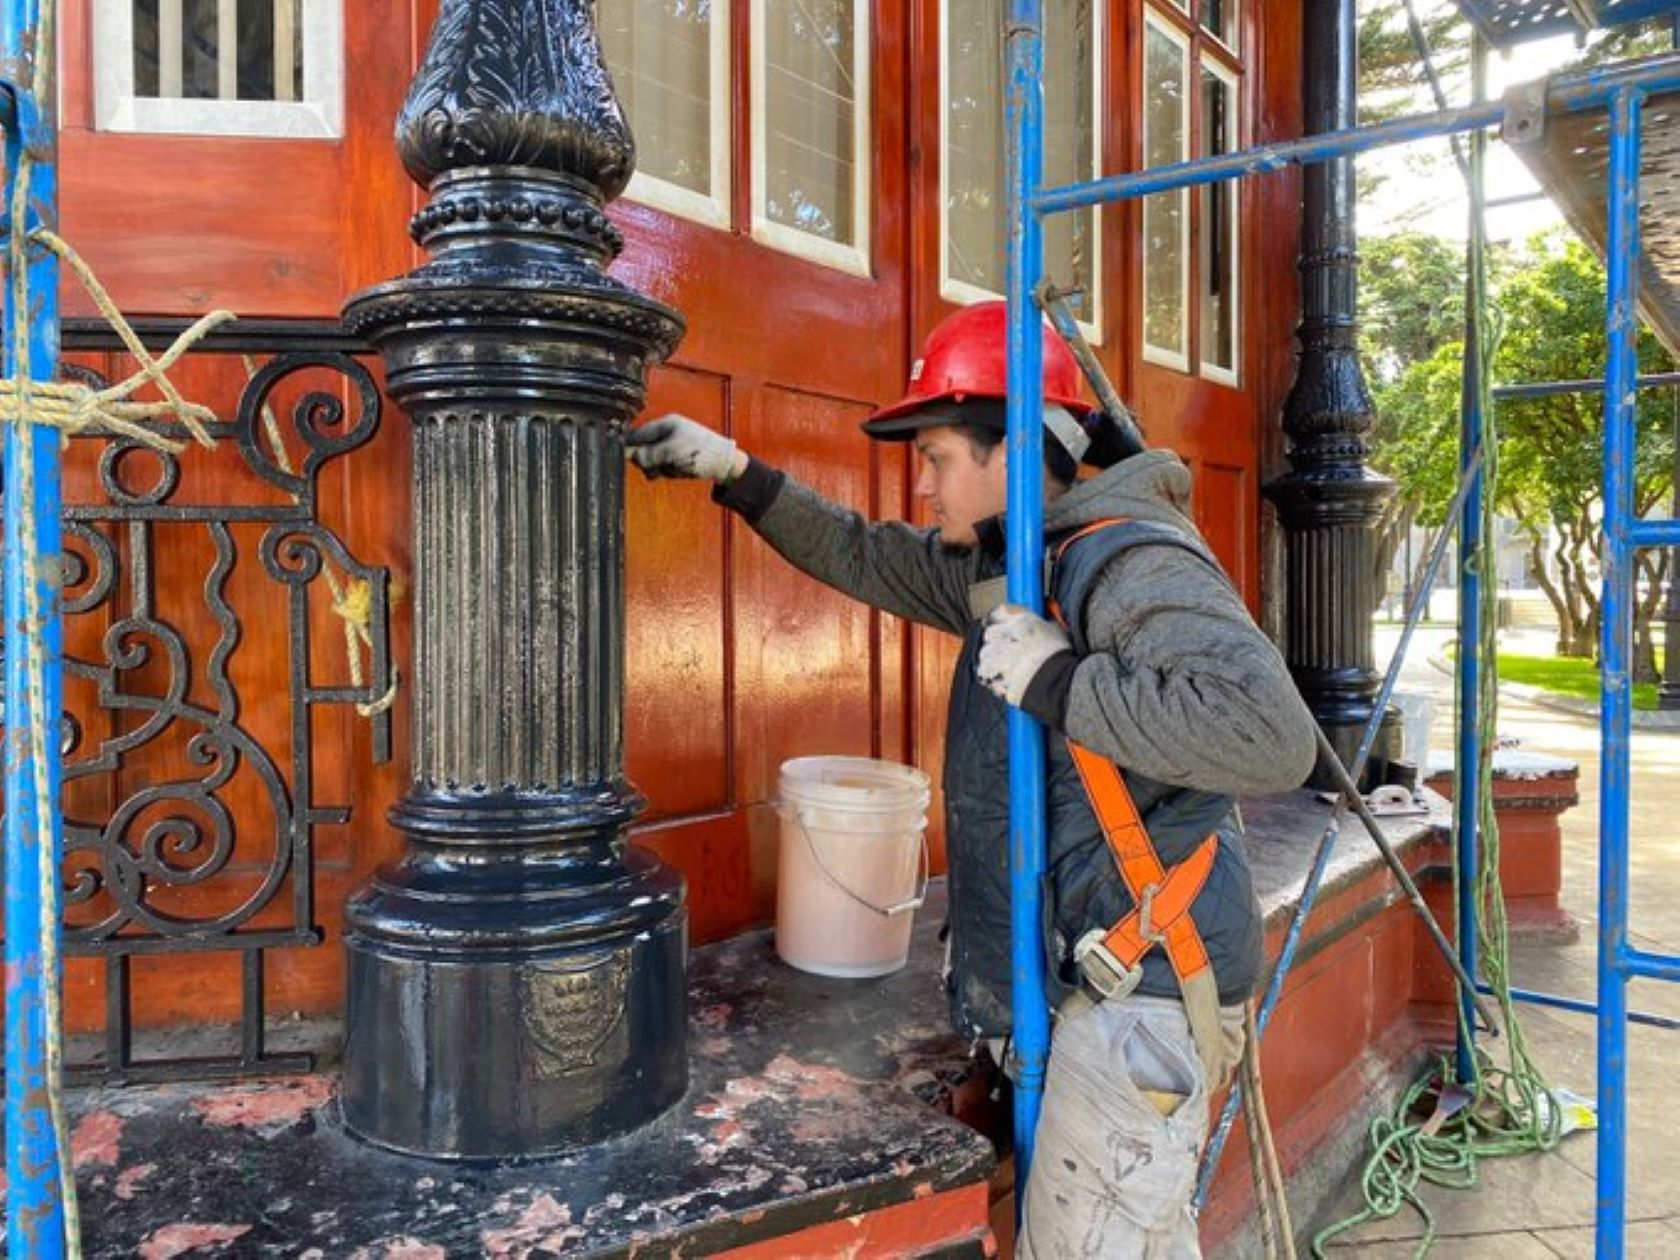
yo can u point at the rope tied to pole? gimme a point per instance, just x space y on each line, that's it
73 407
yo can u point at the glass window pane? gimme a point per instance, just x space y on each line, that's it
179 51
976 231
1069 143
1165 215
1219 18
1219 234
659 52
809 116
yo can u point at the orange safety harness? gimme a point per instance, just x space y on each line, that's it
1111 959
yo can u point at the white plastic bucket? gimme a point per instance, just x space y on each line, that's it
853 864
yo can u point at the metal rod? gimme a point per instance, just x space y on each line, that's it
1024 142
1332 829
1580 1006
1515 199
1590 90
1420 42
1054 304
1639 962
35 1210
1616 635
1467 792
1545 389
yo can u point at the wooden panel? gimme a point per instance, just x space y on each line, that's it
805 654
1222 513
676 705
265 226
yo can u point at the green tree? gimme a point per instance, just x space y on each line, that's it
1551 449
1549 305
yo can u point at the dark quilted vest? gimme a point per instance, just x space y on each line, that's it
1083 888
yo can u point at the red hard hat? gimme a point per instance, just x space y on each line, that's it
967 356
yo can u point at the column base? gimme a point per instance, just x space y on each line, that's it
1345 730
515 1007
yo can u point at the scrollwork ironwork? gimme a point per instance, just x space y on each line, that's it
215 809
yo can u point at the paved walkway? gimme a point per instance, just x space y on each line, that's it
1541 1207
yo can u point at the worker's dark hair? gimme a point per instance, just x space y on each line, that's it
983 439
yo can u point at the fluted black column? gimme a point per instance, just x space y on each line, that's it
516 982
1328 502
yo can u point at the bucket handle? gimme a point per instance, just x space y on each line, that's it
887 912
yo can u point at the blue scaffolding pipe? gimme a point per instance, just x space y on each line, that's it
1653 534
1616 683
1024 123
1598 88
1591 90
1534 997
1642 963
34 1206
1547 389
1467 791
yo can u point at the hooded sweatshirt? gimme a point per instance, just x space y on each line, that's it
1169 678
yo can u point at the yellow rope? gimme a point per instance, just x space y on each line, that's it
72 407
352 599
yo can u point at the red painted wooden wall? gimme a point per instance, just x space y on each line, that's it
735 662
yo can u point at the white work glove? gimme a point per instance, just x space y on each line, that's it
675 446
1016 645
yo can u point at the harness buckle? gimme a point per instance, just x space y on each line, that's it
1146 906
1104 972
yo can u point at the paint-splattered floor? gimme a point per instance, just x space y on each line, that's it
811 1100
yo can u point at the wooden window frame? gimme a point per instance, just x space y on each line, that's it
853 258
1218 372
318 116
1205 50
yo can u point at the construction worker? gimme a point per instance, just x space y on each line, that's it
1168 702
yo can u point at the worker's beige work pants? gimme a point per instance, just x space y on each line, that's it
1112 1174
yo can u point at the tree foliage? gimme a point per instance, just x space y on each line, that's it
1548 301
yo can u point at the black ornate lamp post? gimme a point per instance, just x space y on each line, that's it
1328 502
517 981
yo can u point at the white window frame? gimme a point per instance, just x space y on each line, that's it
1165 356
1215 372
708 209
319 115
853 258
961 292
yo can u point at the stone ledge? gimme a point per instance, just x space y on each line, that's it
811 1101
813 1104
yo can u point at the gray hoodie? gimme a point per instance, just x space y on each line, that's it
1178 683
1168 677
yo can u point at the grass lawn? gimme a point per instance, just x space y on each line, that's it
1566 675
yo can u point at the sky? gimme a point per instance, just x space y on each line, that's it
1429 196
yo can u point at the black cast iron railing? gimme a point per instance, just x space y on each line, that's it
178 859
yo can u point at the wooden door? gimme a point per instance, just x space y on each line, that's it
736 661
